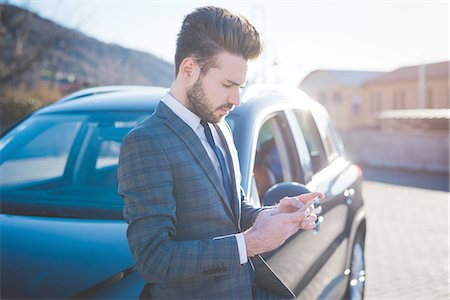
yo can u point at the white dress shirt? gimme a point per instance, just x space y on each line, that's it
193 121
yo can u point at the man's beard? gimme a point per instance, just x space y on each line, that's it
198 104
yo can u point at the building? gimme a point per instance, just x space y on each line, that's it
341 92
356 99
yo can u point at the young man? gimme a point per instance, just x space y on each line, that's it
190 230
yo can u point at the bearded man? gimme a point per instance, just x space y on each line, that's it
191 231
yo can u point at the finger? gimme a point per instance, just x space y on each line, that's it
306 225
311 218
309 210
291 202
308 197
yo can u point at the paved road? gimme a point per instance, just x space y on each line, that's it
407 240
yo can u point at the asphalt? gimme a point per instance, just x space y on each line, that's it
419 179
407 243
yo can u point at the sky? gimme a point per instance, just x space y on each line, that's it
300 36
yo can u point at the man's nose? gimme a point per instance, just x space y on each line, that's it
235 97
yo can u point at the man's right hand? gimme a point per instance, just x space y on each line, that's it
271 230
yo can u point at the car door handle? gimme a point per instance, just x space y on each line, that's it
348 194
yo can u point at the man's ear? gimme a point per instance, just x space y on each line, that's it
189 70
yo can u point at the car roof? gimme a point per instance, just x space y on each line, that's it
134 98
105 90
275 97
145 98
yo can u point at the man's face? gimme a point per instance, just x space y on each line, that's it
217 92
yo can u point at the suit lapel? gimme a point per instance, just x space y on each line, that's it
193 143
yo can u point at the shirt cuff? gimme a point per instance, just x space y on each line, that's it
242 248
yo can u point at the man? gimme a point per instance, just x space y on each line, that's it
191 231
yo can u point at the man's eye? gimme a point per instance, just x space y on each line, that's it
227 85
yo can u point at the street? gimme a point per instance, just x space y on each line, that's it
407 243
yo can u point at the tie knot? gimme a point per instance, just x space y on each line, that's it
204 124
208 134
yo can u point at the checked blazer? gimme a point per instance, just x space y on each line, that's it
176 207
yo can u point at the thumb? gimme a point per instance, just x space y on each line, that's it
291 202
305 198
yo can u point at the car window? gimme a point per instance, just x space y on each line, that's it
336 139
108 155
41 157
274 154
313 140
323 124
65 164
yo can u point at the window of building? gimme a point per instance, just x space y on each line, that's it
429 99
399 100
337 96
379 102
356 103
375 102
402 99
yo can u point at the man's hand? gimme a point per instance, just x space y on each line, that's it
292 204
274 226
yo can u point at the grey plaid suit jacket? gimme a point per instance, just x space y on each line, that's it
175 206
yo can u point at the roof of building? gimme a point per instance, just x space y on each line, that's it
336 78
411 73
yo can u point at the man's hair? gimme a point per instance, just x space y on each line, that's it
210 30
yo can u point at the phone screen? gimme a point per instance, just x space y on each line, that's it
308 204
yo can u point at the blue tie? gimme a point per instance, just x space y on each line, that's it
226 182
219 155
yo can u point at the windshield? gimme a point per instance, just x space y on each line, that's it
64 165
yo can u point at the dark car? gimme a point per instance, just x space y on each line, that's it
62 231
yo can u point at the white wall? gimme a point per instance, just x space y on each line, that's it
416 151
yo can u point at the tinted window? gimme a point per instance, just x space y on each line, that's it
336 139
43 155
64 165
323 125
274 159
313 140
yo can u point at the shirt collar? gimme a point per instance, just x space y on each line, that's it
191 119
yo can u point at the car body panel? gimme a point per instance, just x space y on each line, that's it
87 255
59 257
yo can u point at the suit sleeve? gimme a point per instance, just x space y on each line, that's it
146 185
248 212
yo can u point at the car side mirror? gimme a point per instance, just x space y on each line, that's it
281 190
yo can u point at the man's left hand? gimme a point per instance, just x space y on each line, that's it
292 204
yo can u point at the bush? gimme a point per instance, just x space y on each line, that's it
18 102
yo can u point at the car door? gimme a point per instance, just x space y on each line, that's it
327 168
277 161
290 148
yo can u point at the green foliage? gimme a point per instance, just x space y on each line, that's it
17 103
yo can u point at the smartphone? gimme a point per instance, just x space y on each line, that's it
316 200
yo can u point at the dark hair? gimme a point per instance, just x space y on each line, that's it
210 30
